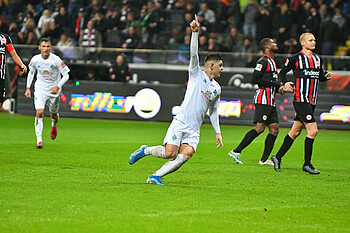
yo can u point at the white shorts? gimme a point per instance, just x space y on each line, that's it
179 133
42 99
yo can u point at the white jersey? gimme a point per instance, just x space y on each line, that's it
48 73
201 94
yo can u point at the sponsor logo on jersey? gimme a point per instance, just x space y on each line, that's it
311 72
46 73
258 67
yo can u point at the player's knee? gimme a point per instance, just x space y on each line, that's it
39 114
259 129
313 133
274 131
170 154
295 134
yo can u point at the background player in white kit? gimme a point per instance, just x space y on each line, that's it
48 86
202 96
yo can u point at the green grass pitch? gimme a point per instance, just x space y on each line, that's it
82 182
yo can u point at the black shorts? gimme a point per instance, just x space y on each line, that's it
2 90
304 112
265 114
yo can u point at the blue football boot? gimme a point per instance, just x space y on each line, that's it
155 180
140 153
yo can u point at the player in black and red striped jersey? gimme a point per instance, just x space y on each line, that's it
266 76
308 72
6 46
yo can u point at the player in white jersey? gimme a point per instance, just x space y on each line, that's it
202 97
47 88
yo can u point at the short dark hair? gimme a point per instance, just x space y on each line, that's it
212 57
44 39
263 43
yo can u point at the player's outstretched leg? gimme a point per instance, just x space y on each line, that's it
166 169
138 154
235 156
54 127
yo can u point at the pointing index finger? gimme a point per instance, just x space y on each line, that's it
196 18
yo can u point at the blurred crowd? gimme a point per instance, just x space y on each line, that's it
226 25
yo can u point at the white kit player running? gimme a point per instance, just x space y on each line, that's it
202 97
47 88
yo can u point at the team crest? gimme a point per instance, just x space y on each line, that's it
308 117
258 67
174 137
318 63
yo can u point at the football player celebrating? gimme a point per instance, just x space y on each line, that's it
202 96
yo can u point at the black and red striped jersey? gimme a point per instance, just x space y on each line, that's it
265 75
5 45
308 72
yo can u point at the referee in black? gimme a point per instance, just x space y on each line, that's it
308 72
266 76
6 46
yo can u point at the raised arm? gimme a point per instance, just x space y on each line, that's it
194 58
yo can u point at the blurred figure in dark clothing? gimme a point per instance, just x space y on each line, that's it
64 21
264 24
233 41
119 71
91 75
282 21
290 46
329 36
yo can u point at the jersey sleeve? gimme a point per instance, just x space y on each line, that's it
32 64
288 65
217 99
9 46
259 70
63 68
258 73
194 58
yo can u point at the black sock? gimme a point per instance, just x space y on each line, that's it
269 143
248 138
287 143
308 150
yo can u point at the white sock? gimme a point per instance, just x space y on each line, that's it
38 129
156 151
54 121
171 166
